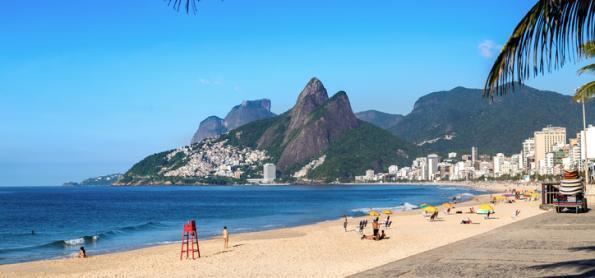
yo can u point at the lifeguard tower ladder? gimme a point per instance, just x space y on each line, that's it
190 240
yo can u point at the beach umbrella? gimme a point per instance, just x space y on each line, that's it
387 211
447 205
374 213
485 208
423 205
430 209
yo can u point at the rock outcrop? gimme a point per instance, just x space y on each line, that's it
310 126
211 127
247 112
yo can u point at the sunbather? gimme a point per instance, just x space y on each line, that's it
468 221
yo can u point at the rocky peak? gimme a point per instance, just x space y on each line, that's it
311 97
323 126
248 111
211 127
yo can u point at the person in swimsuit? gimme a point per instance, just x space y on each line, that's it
82 252
375 227
225 238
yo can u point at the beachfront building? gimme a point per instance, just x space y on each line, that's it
473 155
452 155
498 162
393 169
433 160
270 173
546 139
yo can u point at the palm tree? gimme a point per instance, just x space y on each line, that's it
549 35
585 92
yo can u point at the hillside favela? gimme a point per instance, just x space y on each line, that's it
191 138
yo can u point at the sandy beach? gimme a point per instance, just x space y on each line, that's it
317 250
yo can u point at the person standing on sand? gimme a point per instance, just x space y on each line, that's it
225 238
375 227
345 222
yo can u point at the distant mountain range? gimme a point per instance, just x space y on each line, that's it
318 130
247 112
320 138
457 119
380 119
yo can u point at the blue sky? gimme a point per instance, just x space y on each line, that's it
90 87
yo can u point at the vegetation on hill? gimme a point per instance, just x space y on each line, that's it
365 147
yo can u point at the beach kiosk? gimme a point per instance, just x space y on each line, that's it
568 193
189 240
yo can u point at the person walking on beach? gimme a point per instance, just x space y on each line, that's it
345 222
225 234
375 227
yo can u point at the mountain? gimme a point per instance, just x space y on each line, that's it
457 119
380 119
211 127
318 126
248 111
320 138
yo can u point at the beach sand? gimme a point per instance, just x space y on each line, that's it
317 250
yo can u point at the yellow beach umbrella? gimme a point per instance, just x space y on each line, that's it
374 213
447 205
430 209
486 207
387 211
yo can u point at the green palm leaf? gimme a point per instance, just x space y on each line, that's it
585 92
587 68
549 35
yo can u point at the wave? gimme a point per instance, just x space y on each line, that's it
89 239
447 188
403 207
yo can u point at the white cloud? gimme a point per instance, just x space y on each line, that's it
488 48
211 81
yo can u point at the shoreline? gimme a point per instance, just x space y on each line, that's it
89 267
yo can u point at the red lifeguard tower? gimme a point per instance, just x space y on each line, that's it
189 239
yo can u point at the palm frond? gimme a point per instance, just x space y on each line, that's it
188 5
587 68
549 35
585 92
589 49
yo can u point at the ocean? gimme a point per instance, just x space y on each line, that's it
53 222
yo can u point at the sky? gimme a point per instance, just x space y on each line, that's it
88 88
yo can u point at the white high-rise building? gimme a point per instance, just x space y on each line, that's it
270 173
590 146
473 155
370 174
549 163
498 161
433 160
393 169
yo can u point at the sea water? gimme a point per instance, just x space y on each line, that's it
53 222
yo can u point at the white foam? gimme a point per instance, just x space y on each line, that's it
405 206
76 241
